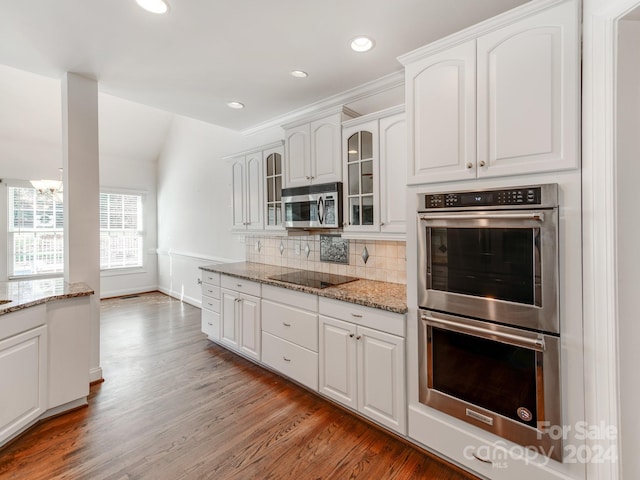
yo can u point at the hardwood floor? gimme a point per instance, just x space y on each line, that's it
176 406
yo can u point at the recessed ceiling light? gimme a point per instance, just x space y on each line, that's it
236 105
299 74
154 6
361 44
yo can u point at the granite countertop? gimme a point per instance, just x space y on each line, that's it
391 297
27 293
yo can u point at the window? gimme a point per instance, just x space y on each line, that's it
35 229
121 239
36 232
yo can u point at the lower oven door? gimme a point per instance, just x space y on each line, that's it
501 379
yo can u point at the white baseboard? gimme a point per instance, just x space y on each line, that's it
128 291
196 302
95 374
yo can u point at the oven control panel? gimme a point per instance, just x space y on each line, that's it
526 196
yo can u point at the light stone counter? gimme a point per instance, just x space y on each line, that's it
27 293
391 297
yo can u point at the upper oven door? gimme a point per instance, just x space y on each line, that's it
493 265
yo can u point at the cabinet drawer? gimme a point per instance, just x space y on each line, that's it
308 301
212 278
240 285
211 324
210 291
382 320
292 360
292 324
212 304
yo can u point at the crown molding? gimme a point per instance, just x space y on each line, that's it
369 89
474 31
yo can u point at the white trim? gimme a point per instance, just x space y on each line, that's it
128 291
375 87
473 32
599 225
269 146
196 302
196 256
387 112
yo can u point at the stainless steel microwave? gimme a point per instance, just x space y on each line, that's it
313 206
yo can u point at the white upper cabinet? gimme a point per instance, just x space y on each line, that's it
500 103
247 196
256 183
441 115
313 148
374 159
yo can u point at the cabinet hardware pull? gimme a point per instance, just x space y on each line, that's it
351 335
483 460
239 285
482 163
199 282
286 359
358 337
469 165
210 324
357 315
381 224
286 324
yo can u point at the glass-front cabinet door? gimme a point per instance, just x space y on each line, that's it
273 187
361 187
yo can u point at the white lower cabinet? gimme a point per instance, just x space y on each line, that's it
23 371
211 305
240 322
363 367
290 334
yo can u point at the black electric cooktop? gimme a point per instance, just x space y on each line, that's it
313 279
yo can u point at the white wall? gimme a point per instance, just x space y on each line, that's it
131 137
628 235
194 202
129 164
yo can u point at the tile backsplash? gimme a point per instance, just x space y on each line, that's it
385 260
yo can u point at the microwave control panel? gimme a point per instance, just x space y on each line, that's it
520 197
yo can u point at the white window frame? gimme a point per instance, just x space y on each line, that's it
12 230
141 234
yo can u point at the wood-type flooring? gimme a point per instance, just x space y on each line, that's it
175 406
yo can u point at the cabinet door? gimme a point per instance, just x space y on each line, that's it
238 193
297 156
381 379
326 164
255 191
23 374
441 115
361 190
229 324
393 180
529 94
249 325
273 173
337 357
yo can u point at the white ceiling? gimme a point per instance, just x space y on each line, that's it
206 52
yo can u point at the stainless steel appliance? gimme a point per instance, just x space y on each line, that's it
313 206
488 300
492 255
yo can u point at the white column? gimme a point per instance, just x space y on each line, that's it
81 198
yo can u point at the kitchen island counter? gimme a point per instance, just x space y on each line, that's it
28 293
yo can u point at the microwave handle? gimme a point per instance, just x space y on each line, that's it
321 210
539 216
508 338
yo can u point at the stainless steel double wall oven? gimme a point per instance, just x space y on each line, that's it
489 323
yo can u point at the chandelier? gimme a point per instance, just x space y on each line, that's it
50 188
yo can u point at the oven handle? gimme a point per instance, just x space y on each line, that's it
509 338
539 216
